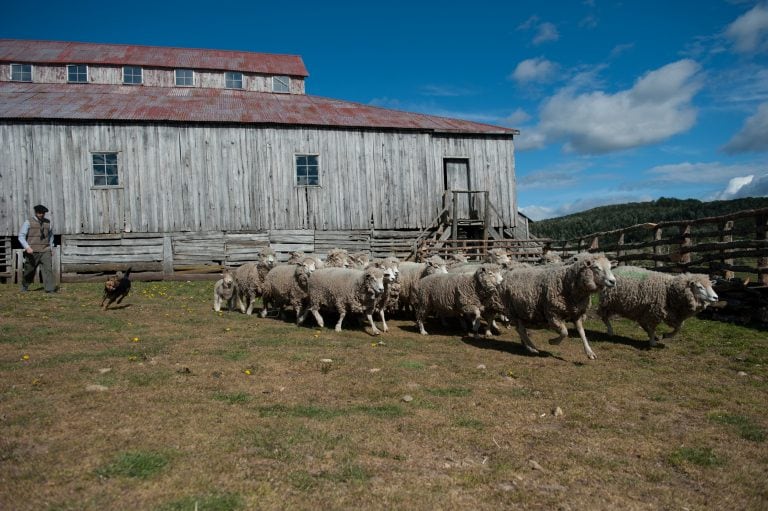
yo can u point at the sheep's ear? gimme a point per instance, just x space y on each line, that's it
614 264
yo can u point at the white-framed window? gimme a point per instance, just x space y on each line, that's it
185 78
21 72
133 75
77 73
233 80
307 170
105 171
281 84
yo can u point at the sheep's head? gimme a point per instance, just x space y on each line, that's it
489 277
436 264
227 281
594 272
304 269
701 288
374 280
267 258
295 257
337 258
498 256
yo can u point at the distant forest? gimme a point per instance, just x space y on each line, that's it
606 218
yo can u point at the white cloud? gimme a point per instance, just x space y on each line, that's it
753 136
749 32
529 138
445 91
538 212
658 106
713 172
534 70
744 186
519 116
546 32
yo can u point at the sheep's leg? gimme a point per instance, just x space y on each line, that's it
217 303
562 330
608 326
527 342
318 318
675 330
240 302
384 327
651 331
476 322
264 308
341 319
251 303
375 330
580 327
420 322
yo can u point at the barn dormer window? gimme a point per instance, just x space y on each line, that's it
21 72
233 80
77 73
281 84
132 75
307 170
185 78
105 169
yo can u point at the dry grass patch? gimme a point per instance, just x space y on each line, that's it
165 404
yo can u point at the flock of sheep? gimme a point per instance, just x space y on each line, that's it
547 295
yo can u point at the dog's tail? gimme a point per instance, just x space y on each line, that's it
127 273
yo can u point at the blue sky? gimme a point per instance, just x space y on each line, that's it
616 101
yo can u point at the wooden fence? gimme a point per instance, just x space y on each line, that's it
721 245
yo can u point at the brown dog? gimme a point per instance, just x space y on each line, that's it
116 288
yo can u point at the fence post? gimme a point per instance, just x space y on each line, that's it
726 236
595 245
762 261
658 263
685 242
620 248
455 227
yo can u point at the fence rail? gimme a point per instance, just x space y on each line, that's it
737 242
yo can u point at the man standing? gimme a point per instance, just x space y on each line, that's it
36 236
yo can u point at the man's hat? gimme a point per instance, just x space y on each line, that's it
40 209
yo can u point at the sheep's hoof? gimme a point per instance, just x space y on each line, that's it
375 332
591 355
532 350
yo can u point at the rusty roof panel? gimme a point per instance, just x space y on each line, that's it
55 52
98 102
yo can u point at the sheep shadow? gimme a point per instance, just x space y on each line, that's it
511 347
600 337
114 307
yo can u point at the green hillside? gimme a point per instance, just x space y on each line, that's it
606 218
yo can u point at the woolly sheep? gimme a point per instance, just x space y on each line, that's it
458 294
297 256
224 291
344 290
249 280
359 260
337 258
286 285
549 296
384 302
411 273
651 298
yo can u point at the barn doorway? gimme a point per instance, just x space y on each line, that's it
456 177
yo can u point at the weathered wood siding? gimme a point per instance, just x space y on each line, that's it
152 77
233 178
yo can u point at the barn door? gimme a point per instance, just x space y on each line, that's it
456 173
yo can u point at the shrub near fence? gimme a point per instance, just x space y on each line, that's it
737 242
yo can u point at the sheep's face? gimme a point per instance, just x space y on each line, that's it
389 274
703 292
489 277
374 282
499 256
227 282
597 274
436 265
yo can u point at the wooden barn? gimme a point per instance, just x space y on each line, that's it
175 159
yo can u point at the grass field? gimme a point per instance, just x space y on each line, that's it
163 404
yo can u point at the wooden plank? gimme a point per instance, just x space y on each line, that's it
109 266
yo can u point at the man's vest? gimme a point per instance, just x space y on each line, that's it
38 234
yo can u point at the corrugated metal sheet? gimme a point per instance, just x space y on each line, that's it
97 102
55 52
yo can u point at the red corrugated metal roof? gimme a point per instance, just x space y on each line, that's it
55 52
97 102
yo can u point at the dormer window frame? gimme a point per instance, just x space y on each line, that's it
77 73
130 77
281 84
18 73
232 79
176 77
